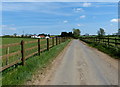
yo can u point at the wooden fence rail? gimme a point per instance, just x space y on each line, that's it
114 42
37 49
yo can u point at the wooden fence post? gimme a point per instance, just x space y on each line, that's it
108 41
63 39
7 52
103 40
99 39
39 47
56 41
94 39
59 40
48 44
53 41
115 42
23 52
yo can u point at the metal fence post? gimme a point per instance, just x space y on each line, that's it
23 52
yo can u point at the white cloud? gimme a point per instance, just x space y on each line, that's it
6 27
83 16
65 21
78 9
115 20
79 25
86 4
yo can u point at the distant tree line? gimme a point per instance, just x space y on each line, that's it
65 34
74 34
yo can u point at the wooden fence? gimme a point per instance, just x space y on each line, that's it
113 42
24 51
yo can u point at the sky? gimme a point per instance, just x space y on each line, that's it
56 17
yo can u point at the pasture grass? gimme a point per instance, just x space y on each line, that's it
18 48
110 50
15 40
21 74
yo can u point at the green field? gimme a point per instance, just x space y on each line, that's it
15 40
13 49
21 74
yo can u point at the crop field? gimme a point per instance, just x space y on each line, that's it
31 46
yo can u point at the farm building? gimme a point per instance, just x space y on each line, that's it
41 36
34 36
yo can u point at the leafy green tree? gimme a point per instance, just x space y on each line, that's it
101 32
76 32
15 34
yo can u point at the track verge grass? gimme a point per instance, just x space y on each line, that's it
21 74
111 51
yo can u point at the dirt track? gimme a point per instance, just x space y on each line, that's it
81 65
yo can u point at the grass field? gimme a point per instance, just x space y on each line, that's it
18 48
15 40
21 74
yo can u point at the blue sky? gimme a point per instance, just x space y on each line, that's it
57 17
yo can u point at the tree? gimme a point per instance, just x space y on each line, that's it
15 34
76 33
70 34
65 34
42 34
101 32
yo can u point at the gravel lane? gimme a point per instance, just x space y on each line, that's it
83 65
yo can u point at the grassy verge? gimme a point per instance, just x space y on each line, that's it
21 74
112 51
